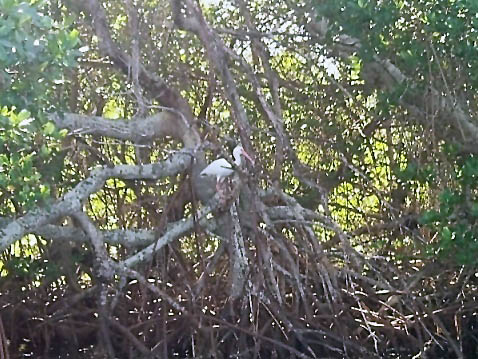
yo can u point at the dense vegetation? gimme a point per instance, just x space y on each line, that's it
354 234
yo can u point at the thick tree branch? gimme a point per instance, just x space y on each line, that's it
139 238
175 230
137 131
125 237
73 200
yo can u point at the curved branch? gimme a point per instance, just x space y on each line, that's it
138 131
175 231
72 202
129 238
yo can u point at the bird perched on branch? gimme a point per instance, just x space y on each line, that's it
221 168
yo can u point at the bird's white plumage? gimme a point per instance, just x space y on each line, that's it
221 168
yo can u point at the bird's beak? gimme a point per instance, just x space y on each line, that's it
246 155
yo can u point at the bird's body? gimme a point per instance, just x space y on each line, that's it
221 168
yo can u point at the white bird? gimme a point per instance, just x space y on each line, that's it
221 168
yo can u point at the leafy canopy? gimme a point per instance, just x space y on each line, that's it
35 51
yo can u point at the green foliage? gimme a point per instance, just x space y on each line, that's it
456 219
432 43
446 26
25 158
34 53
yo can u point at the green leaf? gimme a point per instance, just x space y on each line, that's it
446 234
474 210
73 38
429 217
24 19
49 128
45 151
23 116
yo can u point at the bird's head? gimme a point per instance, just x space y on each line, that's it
239 151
